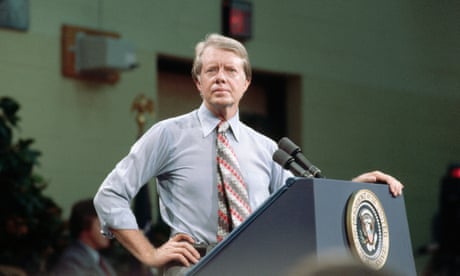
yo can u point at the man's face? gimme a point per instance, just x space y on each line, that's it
96 239
222 81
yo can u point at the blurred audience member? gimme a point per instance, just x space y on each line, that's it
82 257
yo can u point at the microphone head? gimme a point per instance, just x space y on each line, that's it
282 158
288 146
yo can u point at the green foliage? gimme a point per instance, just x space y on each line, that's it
31 228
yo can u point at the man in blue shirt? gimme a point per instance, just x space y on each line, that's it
181 153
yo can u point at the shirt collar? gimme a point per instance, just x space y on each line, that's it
209 122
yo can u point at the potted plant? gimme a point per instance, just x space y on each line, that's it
31 227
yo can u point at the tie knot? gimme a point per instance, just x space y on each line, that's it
222 126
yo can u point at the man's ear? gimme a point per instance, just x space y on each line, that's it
197 84
248 82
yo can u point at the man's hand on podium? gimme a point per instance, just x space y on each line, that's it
380 177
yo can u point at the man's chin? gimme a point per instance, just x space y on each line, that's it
221 102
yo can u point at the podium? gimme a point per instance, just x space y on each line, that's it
307 217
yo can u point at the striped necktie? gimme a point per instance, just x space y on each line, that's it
233 205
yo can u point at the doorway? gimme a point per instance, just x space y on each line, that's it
263 107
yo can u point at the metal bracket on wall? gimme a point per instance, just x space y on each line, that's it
68 45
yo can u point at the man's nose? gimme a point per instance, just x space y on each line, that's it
220 76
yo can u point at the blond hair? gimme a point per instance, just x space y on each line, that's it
220 42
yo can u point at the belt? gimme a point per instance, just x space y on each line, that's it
204 249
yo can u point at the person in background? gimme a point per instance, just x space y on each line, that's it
182 153
82 256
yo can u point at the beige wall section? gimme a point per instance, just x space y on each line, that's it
380 86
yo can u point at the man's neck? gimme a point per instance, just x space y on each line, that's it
223 113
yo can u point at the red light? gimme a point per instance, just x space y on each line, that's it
237 19
455 173
237 22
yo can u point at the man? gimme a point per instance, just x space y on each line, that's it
181 153
82 256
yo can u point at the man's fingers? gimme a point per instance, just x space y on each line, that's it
187 241
395 186
190 252
181 251
183 237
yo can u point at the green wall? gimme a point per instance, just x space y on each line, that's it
380 86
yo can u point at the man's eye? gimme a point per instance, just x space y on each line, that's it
232 71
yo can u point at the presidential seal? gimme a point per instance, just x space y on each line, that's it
367 228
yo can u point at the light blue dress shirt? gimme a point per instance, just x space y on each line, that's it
181 153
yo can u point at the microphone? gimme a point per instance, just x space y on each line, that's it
288 146
288 162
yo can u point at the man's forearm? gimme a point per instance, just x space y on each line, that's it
178 248
137 244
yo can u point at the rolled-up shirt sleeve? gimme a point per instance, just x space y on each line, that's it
112 202
113 198
113 210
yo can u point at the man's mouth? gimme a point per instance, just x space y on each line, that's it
220 90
